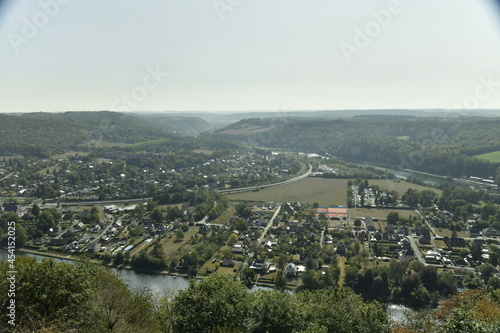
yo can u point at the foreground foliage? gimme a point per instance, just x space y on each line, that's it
82 297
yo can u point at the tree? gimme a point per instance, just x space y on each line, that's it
157 215
233 238
119 258
46 221
392 218
218 303
357 222
429 278
494 259
179 235
486 271
280 281
35 210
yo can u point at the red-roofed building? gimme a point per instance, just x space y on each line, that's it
333 212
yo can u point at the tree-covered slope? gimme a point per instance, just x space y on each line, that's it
43 134
438 145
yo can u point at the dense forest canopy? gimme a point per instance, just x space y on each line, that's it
44 134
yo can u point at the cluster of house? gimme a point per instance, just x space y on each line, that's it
217 172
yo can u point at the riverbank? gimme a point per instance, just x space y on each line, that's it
123 267
100 263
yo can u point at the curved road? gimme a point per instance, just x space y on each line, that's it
260 187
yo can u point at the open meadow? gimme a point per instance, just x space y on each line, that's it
380 214
326 192
492 157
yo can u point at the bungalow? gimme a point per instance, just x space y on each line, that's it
404 244
479 241
37 241
238 250
424 240
73 246
262 222
261 266
96 229
491 232
474 232
227 263
11 208
54 230
341 249
457 242
79 226
291 269
369 225
58 241
94 247
362 235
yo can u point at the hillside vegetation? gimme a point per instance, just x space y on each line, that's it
444 146
44 134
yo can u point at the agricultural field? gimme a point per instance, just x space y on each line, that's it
102 144
401 186
492 157
69 153
203 151
380 214
326 192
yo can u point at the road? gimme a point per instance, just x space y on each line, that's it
322 238
416 250
260 187
261 238
7 176
105 202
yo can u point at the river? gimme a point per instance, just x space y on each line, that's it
405 174
157 283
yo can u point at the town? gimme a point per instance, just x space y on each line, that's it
142 213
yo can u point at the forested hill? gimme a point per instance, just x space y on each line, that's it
43 134
176 123
437 145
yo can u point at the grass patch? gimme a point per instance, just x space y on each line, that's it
100 144
492 157
447 232
440 244
51 169
203 151
70 153
311 189
170 246
380 214
341 263
224 218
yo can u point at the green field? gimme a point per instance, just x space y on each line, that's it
323 191
380 214
400 186
492 157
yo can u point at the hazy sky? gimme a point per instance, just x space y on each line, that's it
230 55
